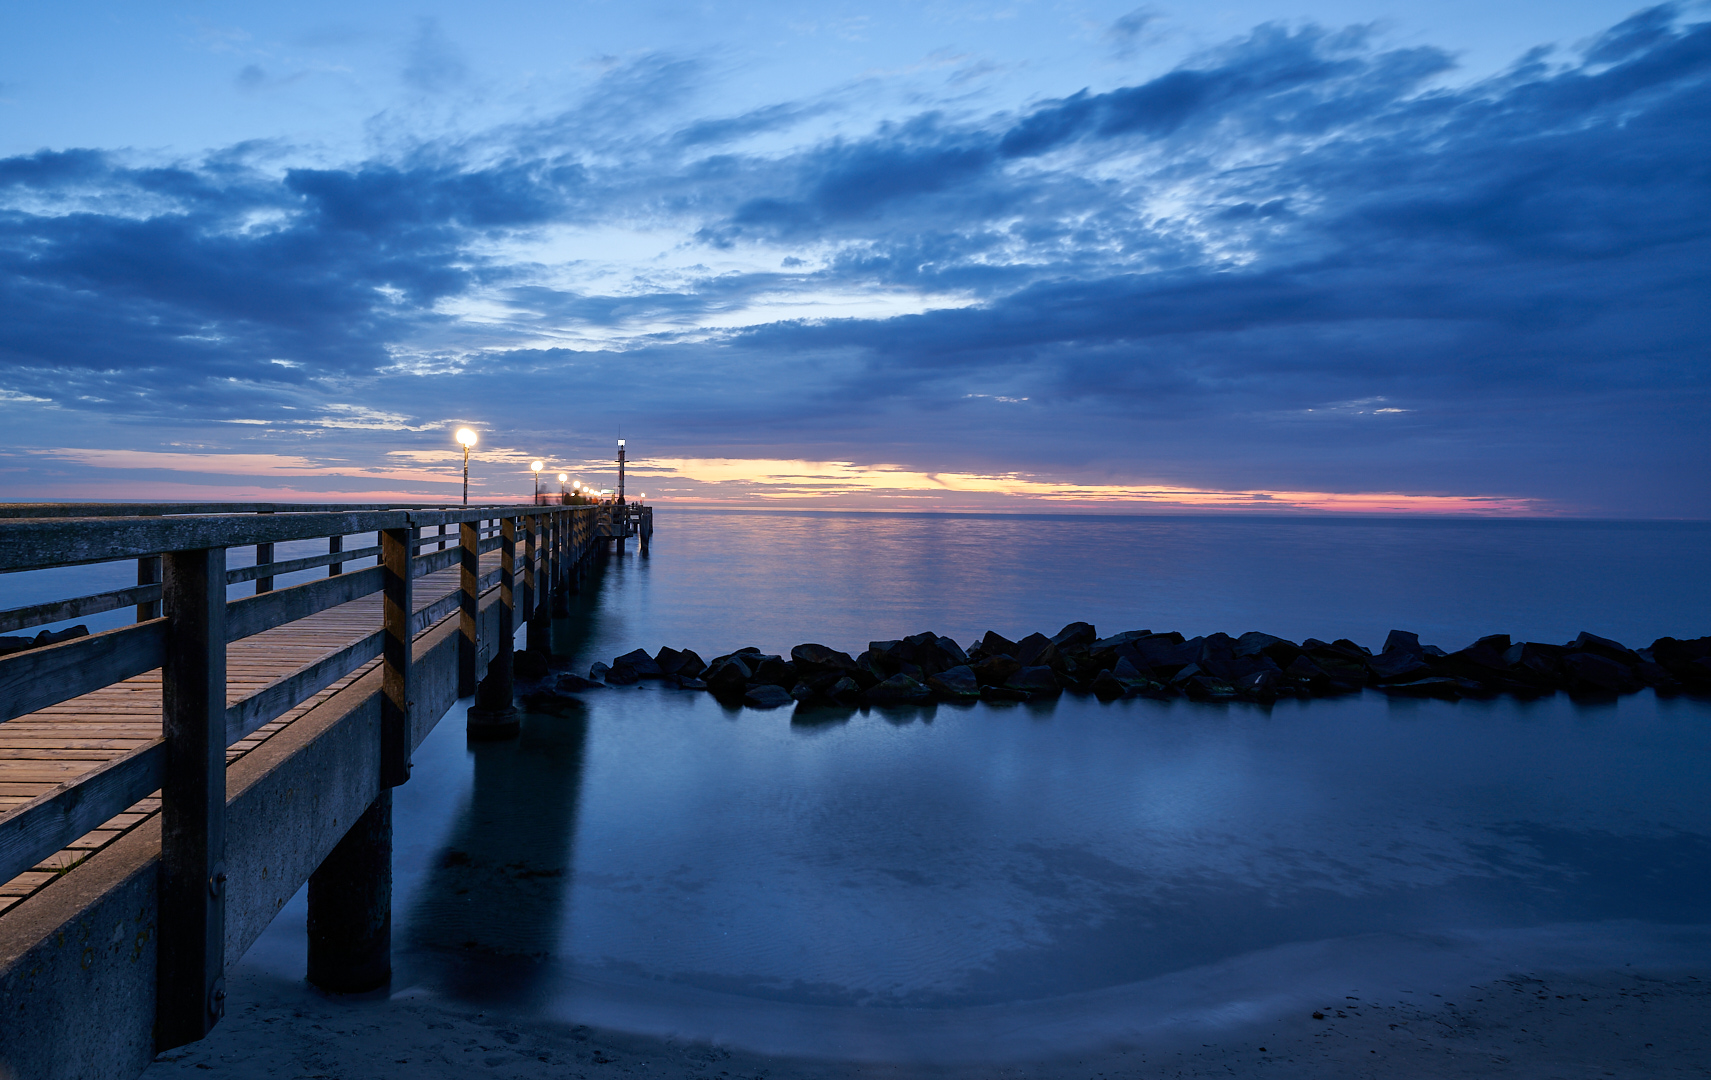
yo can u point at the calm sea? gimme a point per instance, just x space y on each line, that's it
995 881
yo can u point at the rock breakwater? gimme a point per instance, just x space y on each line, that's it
1255 667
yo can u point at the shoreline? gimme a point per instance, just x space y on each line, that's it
1626 1021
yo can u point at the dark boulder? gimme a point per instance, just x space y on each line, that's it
898 690
767 696
871 668
774 670
1593 673
846 691
528 664
1037 679
9 645
1689 660
1657 677
812 659
54 637
802 692
950 654
1076 634
680 662
1281 651
1107 687
1168 653
576 684
1127 637
996 670
597 670
955 684
1536 663
1396 665
728 675
1036 650
1603 646
635 665
1403 641
992 644
1259 686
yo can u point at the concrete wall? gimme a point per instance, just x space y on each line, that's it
77 960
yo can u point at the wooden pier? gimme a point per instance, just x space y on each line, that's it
166 786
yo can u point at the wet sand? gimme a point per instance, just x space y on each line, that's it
1626 1023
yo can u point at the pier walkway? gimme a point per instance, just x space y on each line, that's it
167 785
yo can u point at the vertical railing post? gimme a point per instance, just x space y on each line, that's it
494 715
397 594
469 580
335 544
148 573
534 585
191 985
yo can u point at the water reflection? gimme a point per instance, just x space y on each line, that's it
491 908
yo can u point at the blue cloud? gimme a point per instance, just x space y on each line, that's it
1298 256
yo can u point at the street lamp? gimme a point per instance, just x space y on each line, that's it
562 477
536 468
467 438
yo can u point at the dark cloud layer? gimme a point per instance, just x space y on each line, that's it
1299 261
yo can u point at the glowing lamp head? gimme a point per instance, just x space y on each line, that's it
643 495
562 477
466 436
537 466
620 442
576 485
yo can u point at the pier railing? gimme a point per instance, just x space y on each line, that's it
184 623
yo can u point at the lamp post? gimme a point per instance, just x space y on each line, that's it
620 470
536 467
467 438
562 477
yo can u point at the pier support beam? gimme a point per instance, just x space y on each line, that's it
494 715
350 906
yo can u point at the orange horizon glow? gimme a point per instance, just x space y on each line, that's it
729 483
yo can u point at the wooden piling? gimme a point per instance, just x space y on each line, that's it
191 995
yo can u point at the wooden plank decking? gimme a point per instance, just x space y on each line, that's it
60 744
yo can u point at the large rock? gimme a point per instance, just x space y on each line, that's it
996 670
1603 646
898 690
871 668
728 675
992 644
680 662
812 659
767 696
1281 651
775 670
1076 634
640 664
1036 650
1687 660
950 654
1206 688
1399 664
597 670
54 637
955 684
1536 663
846 691
1106 687
1127 637
1038 680
1591 673
1168 653
1405 641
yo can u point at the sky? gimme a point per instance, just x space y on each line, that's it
1315 256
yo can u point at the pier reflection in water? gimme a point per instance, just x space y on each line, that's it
489 907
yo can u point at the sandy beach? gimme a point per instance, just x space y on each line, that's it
1627 1022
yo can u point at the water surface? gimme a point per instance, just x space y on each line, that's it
999 881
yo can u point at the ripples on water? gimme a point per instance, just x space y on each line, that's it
986 880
